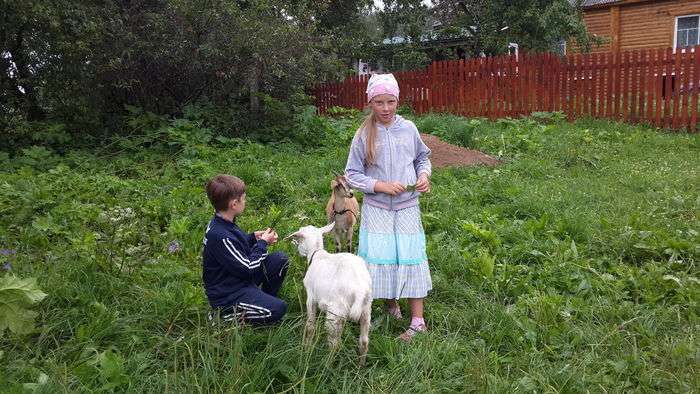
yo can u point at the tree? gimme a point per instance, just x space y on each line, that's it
84 62
536 25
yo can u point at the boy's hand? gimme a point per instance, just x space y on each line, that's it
391 188
423 183
269 236
258 234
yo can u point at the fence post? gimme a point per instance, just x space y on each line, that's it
695 90
684 94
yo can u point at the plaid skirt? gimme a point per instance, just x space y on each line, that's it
393 244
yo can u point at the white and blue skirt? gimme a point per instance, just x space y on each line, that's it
393 245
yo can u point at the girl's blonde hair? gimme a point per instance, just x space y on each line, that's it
370 128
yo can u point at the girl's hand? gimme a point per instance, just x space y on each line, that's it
258 234
391 188
423 183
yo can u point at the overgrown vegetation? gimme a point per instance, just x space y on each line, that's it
570 267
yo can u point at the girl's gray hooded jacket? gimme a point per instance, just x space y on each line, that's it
401 156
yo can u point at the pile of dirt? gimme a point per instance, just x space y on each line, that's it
448 155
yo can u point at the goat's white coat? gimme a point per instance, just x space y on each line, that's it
338 284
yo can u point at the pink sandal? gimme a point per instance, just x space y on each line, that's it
408 335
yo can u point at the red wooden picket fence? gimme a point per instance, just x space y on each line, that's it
656 86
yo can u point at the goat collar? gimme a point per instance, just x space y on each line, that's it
344 211
311 260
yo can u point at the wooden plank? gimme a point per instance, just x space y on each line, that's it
552 76
658 83
478 86
539 99
617 83
493 80
676 88
595 99
557 73
489 87
586 85
529 86
668 61
543 81
437 105
449 87
573 81
684 93
564 71
548 82
583 71
462 73
651 86
467 87
579 86
625 85
495 89
431 84
443 86
609 75
505 75
519 86
681 95
634 93
643 73
500 100
446 87
696 90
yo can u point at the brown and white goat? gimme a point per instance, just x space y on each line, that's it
343 209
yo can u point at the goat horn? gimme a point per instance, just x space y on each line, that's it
290 236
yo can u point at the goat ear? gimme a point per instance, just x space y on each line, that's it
327 228
334 184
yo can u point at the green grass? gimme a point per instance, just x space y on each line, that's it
571 267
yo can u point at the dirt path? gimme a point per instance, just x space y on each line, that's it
448 155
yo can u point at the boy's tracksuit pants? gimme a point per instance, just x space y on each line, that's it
260 305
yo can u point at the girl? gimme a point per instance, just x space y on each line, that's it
386 156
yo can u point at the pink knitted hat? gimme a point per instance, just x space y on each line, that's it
382 84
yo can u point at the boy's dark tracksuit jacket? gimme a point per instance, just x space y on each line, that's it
234 265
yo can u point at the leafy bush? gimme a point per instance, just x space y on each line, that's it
450 128
342 112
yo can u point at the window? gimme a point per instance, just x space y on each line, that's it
561 47
687 28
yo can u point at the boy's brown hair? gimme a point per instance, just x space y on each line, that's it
224 188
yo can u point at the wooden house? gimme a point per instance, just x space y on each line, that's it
636 24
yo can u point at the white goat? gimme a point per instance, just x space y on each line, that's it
338 284
343 209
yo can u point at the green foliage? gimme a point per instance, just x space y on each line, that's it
342 112
536 25
86 64
571 265
17 296
450 128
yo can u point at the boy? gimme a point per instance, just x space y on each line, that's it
236 263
